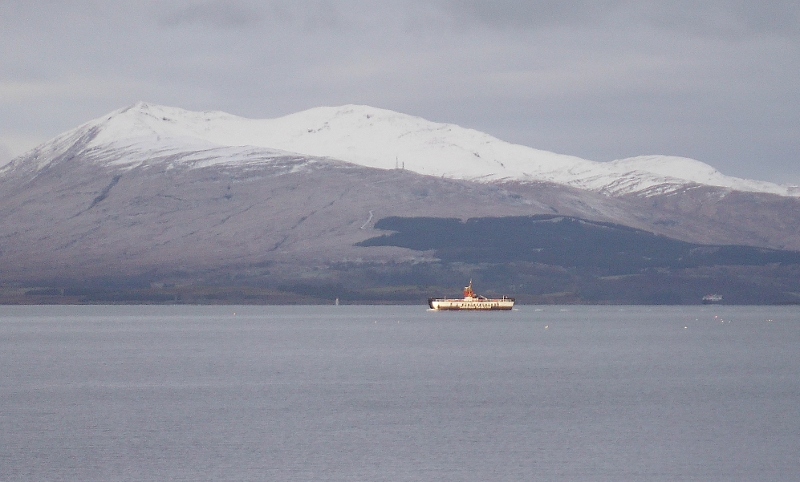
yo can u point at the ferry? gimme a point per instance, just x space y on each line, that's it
471 301
712 299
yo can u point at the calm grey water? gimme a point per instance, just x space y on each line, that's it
399 393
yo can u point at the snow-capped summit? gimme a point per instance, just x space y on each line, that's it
372 137
692 170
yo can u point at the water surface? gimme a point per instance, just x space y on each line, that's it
399 393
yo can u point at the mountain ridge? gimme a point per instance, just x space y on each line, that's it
379 138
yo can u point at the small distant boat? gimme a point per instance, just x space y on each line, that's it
471 301
711 299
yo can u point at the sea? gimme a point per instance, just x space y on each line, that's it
399 393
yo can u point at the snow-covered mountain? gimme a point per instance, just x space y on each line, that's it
365 136
160 195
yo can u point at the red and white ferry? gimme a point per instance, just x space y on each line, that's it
471 301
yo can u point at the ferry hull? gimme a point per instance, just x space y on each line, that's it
481 305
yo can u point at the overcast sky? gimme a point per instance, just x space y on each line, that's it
717 81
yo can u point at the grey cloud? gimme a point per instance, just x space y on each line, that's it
728 19
515 13
283 14
219 13
708 18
